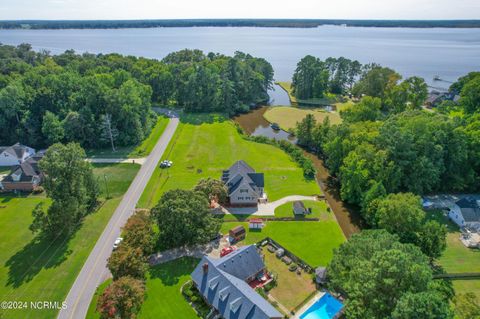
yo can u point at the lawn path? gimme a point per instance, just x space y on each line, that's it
267 209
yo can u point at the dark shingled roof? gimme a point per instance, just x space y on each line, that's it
26 170
223 285
240 172
470 209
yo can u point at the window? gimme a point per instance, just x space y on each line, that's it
244 191
240 198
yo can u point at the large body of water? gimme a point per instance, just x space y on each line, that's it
448 53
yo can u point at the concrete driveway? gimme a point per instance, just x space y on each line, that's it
267 209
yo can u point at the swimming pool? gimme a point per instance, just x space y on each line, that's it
324 308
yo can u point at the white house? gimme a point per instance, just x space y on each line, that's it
15 154
465 213
245 186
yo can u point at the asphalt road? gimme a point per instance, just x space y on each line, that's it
95 270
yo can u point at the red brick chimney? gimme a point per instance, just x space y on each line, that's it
205 268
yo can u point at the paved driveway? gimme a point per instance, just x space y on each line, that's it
267 209
140 160
94 270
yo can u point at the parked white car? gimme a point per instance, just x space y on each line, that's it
117 242
166 164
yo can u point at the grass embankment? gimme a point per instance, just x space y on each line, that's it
287 117
35 269
141 150
163 296
205 148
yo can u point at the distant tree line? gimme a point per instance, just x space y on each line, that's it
95 99
273 23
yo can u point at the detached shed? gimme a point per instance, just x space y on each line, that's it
321 275
256 223
300 209
238 233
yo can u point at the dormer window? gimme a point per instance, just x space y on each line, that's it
235 305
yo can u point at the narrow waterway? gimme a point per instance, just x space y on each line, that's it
349 219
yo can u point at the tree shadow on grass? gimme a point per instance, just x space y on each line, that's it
202 118
170 272
40 253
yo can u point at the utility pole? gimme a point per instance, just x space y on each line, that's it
106 185
108 124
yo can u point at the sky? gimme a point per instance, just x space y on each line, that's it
186 9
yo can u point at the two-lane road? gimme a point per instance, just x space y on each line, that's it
95 270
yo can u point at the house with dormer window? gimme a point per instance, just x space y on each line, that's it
224 284
245 186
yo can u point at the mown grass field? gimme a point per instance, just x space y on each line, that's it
204 148
314 242
163 297
319 210
287 117
141 150
36 269
292 289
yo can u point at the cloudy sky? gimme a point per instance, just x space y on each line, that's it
175 9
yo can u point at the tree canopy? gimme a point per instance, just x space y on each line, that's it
47 98
383 278
184 218
313 78
121 299
69 182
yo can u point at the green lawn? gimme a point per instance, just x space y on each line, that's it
35 269
163 296
115 178
464 286
457 258
287 117
92 309
292 289
319 210
312 241
133 151
200 150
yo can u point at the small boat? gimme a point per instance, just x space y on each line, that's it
275 126
437 78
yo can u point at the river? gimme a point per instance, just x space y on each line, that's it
448 53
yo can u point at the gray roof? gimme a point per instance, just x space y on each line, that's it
299 207
224 286
18 150
241 263
320 274
27 171
470 209
240 172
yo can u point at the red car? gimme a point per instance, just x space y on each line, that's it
227 250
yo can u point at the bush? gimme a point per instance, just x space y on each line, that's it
272 284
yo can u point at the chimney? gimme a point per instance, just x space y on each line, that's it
205 268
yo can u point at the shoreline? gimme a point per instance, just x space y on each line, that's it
260 23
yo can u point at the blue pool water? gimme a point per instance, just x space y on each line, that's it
325 308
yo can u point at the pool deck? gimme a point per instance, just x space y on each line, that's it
305 307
